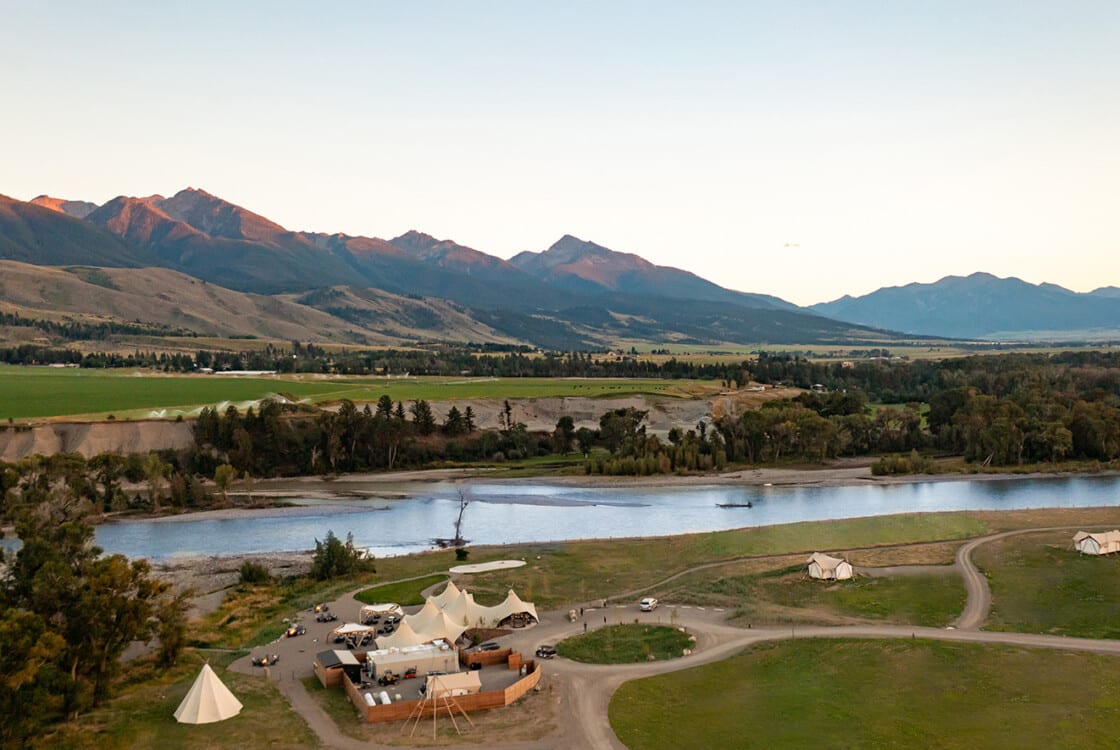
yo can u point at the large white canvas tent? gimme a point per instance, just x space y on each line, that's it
431 623
464 610
403 636
1099 543
207 701
829 568
449 594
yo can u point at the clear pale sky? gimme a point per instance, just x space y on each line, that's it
892 141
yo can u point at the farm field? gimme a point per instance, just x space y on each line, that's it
826 694
1041 585
40 392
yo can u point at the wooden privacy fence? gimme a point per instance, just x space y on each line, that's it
401 710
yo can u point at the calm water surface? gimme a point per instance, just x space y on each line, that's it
512 513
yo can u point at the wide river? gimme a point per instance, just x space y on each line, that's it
508 513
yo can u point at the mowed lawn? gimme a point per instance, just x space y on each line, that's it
826 694
1040 584
36 392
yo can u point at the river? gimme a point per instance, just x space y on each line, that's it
509 513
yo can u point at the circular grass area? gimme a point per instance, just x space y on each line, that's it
626 644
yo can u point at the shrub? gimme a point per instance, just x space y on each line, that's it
254 573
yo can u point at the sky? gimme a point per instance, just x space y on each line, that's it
806 149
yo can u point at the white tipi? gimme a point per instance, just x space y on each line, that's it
207 701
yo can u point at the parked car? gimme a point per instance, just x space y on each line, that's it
546 652
490 646
648 604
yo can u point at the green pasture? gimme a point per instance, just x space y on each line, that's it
626 644
564 573
931 600
405 593
1040 584
38 392
789 596
141 716
840 694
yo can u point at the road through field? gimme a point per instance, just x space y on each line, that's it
584 691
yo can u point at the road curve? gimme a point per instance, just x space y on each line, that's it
585 690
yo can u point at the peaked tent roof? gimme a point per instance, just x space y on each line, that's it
403 636
207 701
448 595
514 605
826 562
351 628
429 614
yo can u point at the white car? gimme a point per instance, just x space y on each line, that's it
648 604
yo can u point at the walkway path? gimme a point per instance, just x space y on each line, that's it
585 690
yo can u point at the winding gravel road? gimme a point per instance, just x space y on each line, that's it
584 690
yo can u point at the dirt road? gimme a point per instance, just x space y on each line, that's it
585 690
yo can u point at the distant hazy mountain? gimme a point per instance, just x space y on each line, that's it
582 266
980 306
77 209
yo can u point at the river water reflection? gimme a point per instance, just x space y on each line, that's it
538 512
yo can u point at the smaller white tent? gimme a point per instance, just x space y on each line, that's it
207 701
352 628
829 568
458 683
1098 543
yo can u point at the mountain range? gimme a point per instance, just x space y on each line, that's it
983 306
153 251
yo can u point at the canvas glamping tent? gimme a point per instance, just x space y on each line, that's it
1099 543
829 568
207 701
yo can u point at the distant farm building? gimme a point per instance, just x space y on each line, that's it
1099 543
829 568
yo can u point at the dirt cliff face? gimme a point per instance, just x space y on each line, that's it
92 438
541 414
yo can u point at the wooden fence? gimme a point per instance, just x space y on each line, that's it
401 710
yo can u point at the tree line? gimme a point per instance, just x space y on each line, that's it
67 613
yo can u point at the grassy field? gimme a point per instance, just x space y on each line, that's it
836 695
36 392
1041 585
626 644
141 716
933 600
404 594
563 573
